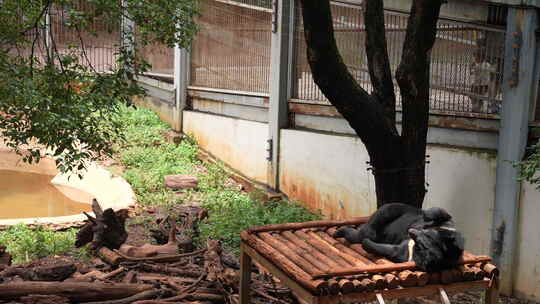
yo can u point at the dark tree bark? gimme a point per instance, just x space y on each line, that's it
106 229
398 161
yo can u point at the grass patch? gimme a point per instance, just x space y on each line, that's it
147 158
25 244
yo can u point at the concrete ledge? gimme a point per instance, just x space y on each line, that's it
111 191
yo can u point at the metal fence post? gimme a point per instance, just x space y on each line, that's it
182 64
127 30
519 61
48 35
280 82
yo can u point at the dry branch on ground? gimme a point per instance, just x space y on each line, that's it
174 272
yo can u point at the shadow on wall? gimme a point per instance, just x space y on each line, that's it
463 182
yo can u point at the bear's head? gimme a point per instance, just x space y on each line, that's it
437 248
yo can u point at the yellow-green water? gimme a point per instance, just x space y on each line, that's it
24 195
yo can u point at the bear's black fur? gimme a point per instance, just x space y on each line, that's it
389 231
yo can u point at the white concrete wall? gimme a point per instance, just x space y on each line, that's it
328 173
241 144
165 111
463 182
527 280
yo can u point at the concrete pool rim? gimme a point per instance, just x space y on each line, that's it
111 191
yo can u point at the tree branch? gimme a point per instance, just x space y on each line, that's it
377 55
330 73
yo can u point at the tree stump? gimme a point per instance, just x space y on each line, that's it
107 229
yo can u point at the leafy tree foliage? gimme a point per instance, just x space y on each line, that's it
530 166
52 100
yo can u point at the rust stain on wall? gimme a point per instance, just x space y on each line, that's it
460 123
332 201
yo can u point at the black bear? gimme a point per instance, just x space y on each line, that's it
401 233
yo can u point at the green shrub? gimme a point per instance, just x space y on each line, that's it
529 168
26 244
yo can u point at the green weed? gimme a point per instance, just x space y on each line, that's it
231 211
26 244
147 157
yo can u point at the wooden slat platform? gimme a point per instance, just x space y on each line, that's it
317 266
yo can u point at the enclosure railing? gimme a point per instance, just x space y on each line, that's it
232 49
96 45
466 60
160 57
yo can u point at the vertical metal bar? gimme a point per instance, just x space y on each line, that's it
181 82
278 111
48 33
127 31
291 83
513 138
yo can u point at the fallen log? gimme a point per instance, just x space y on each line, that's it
171 270
161 259
87 277
54 272
180 181
169 302
149 250
145 295
75 291
205 297
196 297
130 277
97 275
44 299
111 257
162 279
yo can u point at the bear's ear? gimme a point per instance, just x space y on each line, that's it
436 215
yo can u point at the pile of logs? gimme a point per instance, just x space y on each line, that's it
171 272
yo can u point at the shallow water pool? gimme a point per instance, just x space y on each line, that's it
30 195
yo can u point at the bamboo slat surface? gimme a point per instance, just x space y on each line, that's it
309 255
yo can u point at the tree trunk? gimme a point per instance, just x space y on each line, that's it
398 161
